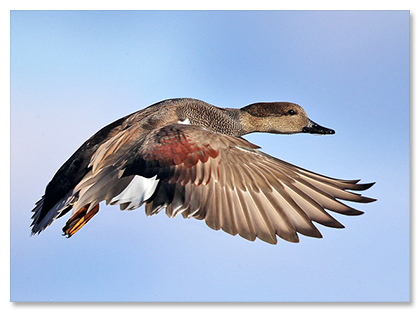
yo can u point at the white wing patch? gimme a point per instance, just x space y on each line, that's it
184 122
136 193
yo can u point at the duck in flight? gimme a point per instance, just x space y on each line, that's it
189 157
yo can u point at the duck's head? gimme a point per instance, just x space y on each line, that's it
280 117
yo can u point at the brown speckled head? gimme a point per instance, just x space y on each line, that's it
266 109
280 117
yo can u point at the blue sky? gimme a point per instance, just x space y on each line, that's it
73 72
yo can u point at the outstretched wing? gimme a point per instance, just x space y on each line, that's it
226 181
204 175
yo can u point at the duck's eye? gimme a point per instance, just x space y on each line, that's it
291 112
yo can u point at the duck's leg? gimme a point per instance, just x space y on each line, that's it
77 221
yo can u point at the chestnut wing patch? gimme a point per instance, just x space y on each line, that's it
172 146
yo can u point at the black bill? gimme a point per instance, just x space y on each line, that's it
314 128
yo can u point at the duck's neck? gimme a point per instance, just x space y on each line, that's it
250 123
229 121
225 121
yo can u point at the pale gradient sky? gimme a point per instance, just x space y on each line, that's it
74 72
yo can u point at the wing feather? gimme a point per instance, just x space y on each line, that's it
241 190
224 180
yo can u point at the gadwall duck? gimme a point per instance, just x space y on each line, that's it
189 157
